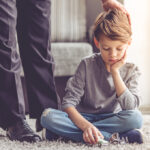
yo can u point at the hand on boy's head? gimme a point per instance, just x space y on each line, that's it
110 4
91 134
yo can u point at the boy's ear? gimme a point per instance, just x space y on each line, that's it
96 42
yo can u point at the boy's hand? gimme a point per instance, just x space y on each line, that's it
117 65
110 4
91 134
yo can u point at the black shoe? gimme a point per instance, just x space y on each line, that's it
38 126
21 131
132 136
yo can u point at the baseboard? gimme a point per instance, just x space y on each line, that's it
145 109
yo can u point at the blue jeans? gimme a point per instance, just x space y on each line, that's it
58 123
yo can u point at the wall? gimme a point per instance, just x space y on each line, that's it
139 51
93 9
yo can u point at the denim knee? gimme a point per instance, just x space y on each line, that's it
47 117
133 119
52 118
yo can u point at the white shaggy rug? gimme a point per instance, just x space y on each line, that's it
6 144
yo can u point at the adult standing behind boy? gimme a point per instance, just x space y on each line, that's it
35 50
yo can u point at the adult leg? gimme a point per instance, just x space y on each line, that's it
12 116
34 41
11 94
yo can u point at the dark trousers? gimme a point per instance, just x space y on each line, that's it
29 20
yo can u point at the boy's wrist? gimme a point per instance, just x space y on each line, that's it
88 125
114 71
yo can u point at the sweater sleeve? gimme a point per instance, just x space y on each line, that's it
75 87
130 98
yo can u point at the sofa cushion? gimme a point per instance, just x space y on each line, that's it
67 57
68 20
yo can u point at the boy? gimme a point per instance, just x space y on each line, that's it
102 97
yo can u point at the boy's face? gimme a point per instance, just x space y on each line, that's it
111 50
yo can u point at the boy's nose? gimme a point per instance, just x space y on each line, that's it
112 53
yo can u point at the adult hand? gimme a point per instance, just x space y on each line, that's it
115 4
91 134
119 63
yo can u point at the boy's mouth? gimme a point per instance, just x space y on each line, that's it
113 60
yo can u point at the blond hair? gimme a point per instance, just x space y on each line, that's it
114 24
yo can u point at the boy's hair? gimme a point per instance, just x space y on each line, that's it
114 24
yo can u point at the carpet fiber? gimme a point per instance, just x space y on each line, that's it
6 144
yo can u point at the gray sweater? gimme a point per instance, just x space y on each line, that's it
92 90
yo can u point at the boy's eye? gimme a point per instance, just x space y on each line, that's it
119 49
106 49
